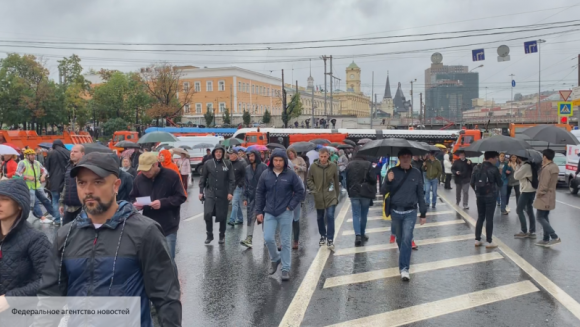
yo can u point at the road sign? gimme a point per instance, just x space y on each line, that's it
565 94
478 54
513 83
576 102
565 109
531 47
503 52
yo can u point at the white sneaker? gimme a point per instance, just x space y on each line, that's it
478 243
46 221
405 276
490 245
507 209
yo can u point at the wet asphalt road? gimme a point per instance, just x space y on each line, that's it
228 285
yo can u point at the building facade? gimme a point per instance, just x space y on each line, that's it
353 101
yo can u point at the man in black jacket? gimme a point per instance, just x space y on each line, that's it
216 186
239 167
70 205
56 163
461 171
130 251
360 178
486 181
164 189
253 172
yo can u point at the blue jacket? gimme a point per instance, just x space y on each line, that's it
253 176
126 256
276 193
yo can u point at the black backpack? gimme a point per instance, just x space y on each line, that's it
534 180
482 183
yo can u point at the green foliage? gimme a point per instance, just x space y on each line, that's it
267 117
294 109
209 116
113 125
70 70
226 117
246 118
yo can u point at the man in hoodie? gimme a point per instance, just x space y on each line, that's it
131 253
278 193
164 189
461 170
56 164
239 167
216 186
323 183
432 168
253 172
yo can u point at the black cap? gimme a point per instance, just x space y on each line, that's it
102 164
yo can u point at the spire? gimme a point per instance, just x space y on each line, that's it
388 89
310 80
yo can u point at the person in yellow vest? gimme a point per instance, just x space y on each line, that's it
34 174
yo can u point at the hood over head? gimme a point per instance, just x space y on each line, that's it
278 153
218 147
17 190
258 156
57 143
166 158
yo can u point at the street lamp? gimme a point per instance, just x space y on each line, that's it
539 73
475 68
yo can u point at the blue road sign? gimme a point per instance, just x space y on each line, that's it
564 108
513 83
531 46
478 55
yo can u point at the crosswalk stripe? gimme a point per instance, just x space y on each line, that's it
442 307
380 207
415 268
432 213
392 246
426 225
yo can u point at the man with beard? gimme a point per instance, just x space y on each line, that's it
132 254
216 185
56 164
253 172
164 189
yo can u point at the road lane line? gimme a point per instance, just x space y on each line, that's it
297 308
392 246
439 308
432 213
566 300
193 217
426 225
567 204
415 268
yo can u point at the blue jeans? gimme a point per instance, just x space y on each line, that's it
431 184
329 234
40 196
360 211
271 223
55 199
503 196
343 178
403 226
237 206
543 219
171 240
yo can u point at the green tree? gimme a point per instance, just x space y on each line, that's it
266 118
209 116
113 125
75 103
246 118
226 118
294 109
70 71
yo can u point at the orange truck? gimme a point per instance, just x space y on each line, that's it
31 139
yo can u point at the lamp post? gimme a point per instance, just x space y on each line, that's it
475 68
540 41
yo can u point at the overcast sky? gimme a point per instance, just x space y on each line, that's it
250 21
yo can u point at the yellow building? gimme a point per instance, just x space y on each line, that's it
353 101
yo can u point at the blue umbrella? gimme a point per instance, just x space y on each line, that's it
239 148
69 146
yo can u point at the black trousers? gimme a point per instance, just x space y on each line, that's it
70 216
209 227
447 181
509 193
485 212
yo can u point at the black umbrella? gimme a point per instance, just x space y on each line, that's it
498 143
529 154
302 146
186 147
551 134
344 146
469 154
273 146
164 147
127 145
203 146
363 141
156 137
349 142
95 147
45 145
391 147
320 141
429 146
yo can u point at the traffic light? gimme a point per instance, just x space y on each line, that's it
564 120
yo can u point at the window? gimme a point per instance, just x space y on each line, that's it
240 86
197 87
221 85
253 89
222 106
185 86
239 107
209 106
268 92
209 86
198 108
186 108
247 88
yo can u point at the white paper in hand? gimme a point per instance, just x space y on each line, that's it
144 200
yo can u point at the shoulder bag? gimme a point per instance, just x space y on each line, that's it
387 207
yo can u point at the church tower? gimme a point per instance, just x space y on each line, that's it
353 78
387 104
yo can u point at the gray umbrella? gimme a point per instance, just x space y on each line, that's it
203 146
95 147
349 142
127 145
429 146
498 143
344 146
273 146
156 137
391 147
302 146
529 154
551 134
320 141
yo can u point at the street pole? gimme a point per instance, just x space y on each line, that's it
324 58
312 104
539 74
284 118
372 103
421 118
512 97
331 78
412 96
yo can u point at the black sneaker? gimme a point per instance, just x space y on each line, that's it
274 267
208 239
330 244
285 275
433 207
222 239
365 238
239 222
358 240
231 223
322 241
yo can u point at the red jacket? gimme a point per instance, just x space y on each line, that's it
9 168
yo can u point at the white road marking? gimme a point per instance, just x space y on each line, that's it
392 246
415 268
568 204
551 287
426 225
295 312
442 307
194 217
431 213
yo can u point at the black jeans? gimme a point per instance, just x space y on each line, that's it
70 216
545 222
485 212
209 228
526 202
447 181
509 193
